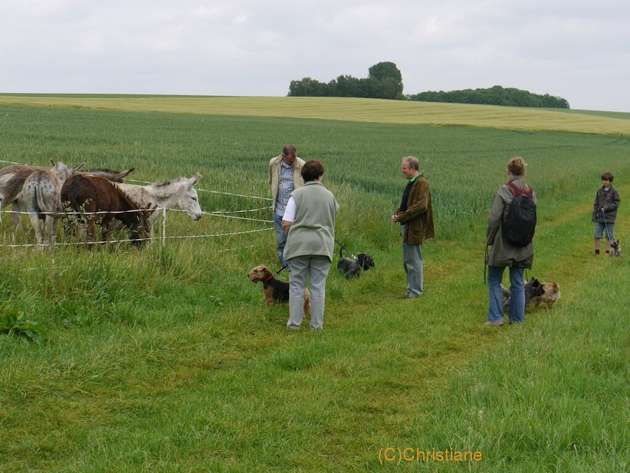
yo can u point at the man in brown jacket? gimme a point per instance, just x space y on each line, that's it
415 216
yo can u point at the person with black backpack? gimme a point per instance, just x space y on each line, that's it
511 228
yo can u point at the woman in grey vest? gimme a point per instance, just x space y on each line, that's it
309 220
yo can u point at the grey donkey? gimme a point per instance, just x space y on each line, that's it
40 197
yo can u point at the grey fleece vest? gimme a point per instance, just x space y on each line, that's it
313 231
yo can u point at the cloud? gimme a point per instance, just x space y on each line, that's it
576 49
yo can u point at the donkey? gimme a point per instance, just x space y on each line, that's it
40 197
11 182
90 194
12 179
176 194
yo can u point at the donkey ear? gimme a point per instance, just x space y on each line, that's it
194 180
53 163
123 174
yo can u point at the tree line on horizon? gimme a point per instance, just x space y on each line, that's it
384 81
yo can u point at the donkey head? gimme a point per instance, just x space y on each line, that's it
62 171
188 199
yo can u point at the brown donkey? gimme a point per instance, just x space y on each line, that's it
96 194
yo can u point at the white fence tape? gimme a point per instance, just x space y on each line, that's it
171 237
71 212
212 191
154 209
223 215
215 235
269 207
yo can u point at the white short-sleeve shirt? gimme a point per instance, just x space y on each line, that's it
289 211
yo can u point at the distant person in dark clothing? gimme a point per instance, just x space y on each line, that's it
605 211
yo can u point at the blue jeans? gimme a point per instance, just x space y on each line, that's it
281 238
495 293
414 268
600 231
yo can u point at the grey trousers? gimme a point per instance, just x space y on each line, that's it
316 268
414 267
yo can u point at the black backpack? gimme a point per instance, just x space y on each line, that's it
519 224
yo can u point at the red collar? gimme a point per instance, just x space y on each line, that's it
267 278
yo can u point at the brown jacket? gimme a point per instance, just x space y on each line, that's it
418 218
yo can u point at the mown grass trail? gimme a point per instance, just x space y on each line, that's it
168 361
344 109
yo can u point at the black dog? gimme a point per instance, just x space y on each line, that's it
365 261
351 267
533 288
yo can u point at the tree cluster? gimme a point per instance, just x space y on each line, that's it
383 82
496 95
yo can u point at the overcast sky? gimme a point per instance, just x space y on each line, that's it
576 49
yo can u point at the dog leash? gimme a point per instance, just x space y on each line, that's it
611 241
485 265
344 248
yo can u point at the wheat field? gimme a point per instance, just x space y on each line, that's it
344 109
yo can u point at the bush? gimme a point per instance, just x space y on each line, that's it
14 324
496 95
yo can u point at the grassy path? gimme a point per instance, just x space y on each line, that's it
237 393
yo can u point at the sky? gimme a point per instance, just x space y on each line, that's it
576 49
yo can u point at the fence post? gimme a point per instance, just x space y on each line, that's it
163 227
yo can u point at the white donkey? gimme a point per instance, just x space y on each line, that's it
176 194
40 197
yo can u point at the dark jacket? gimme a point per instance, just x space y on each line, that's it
607 200
418 217
502 253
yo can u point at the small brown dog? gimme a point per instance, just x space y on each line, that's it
275 291
550 295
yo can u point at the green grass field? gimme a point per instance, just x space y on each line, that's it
167 360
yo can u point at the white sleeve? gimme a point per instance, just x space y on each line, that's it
289 211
